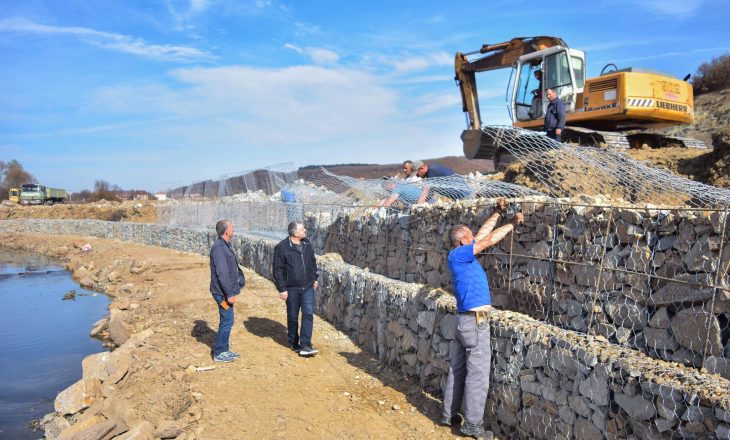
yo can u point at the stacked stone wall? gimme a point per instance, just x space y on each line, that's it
546 382
655 280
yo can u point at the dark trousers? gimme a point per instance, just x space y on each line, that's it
300 299
225 324
467 383
552 135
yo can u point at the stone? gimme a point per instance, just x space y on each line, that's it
98 327
696 413
718 365
118 332
540 250
53 424
536 356
660 318
665 243
627 314
669 409
628 233
78 396
639 259
447 326
98 431
168 429
81 273
586 430
566 414
141 431
674 293
690 326
700 258
659 339
426 319
595 387
87 283
94 366
113 276
636 406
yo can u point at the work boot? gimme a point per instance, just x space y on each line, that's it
476 431
454 420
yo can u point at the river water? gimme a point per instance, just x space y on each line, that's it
43 338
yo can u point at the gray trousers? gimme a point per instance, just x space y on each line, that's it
471 360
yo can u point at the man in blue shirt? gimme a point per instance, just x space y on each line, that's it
409 194
455 188
471 354
554 116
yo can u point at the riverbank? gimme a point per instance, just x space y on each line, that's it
164 318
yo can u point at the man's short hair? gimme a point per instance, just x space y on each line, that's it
456 233
292 228
408 162
221 227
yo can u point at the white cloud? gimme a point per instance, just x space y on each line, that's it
316 54
107 40
674 8
437 102
408 63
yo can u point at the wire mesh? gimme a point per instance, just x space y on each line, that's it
570 171
268 180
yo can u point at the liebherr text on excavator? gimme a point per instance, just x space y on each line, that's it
610 110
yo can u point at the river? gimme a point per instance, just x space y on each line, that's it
43 338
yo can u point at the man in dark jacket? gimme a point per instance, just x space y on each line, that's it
554 116
226 281
295 277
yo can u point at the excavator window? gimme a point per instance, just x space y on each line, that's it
526 104
558 74
579 71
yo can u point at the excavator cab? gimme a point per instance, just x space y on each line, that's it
559 68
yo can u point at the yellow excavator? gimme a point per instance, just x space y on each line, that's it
611 110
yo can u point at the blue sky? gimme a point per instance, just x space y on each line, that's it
157 94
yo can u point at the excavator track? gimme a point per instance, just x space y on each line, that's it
595 138
657 140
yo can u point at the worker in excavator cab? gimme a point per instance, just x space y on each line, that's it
536 107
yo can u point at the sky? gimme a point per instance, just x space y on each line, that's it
158 94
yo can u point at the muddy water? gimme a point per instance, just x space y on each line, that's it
42 337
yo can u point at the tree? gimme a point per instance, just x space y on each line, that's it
12 175
102 190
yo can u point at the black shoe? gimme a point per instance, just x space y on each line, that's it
295 348
308 351
476 431
454 420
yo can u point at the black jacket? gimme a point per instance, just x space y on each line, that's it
555 115
226 278
293 268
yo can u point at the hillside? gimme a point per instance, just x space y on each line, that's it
460 164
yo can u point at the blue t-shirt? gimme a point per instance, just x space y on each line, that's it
438 170
471 287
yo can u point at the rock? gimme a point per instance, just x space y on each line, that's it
628 233
118 331
94 366
138 267
117 366
536 356
689 327
639 259
718 365
87 283
659 339
81 273
53 424
98 431
674 293
78 396
141 431
540 250
168 429
98 327
586 430
628 314
113 276
636 406
660 318
595 387
699 258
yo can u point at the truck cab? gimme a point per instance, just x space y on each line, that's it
14 195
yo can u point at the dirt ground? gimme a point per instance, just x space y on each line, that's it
132 211
342 393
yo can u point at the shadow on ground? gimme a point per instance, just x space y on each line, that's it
267 328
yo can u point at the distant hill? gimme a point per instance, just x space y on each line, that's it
460 165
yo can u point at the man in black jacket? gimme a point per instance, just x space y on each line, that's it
295 277
555 116
226 281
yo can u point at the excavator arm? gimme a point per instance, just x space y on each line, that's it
496 56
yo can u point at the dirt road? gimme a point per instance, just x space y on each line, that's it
343 393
